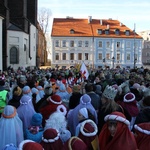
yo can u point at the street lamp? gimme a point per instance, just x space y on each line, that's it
113 59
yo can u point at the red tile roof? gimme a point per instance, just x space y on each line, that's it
62 26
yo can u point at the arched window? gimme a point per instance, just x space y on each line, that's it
14 55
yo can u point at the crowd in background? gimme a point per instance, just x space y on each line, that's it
60 109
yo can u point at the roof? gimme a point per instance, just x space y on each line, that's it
82 28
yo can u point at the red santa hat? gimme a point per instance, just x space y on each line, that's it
29 145
55 99
88 128
129 97
50 135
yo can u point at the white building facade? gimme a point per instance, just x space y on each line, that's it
21 48
96 42
68 51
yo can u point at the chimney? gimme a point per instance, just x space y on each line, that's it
107 26
120 24
89 19
101 22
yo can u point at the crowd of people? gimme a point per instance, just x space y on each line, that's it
60 109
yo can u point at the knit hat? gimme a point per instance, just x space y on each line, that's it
76 88
55 99
65 135
118 116
50 135
88 128
84 112
29 145
17 91
47 89
36 119
9 112
10 147
129 97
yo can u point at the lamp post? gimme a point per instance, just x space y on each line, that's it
113 59
135 60
104 61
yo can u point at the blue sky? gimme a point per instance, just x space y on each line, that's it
129 12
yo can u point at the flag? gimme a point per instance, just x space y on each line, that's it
84 71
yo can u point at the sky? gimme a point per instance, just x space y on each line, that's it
132 13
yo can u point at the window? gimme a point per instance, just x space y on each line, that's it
127 32
79 43
108 56
57 56
64 56
100 56
99 31
128 56
57 43
86 44
118 44
118 56
147 54
100 44
128 44
79 56
71 56
14 55
63 43
71 43
86 56
117 31
107 44
107 31
71 31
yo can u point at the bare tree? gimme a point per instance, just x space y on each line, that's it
44 15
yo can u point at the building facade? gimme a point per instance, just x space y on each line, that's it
146 47
20 34
97 42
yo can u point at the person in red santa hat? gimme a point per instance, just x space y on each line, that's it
51 140
55 104
142 135
29 145
115 134
88 133
129 105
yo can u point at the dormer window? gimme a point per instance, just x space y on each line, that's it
106 31
127 32
71 31
117 31
99 31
